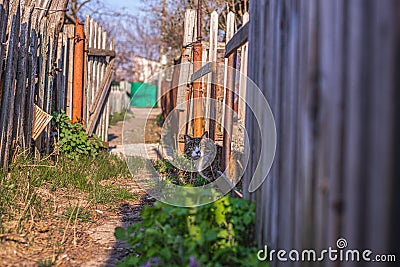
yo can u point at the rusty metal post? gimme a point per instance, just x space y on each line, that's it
229 105
213 97
197 91
77 91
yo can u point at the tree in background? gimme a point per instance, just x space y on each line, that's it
157 29
166 18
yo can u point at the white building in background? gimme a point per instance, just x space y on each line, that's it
143 68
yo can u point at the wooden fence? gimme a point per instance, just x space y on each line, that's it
214 81
119 97
36 75
28 40
330 72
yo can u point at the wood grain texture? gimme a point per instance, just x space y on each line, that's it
328 70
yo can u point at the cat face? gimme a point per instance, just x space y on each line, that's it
193 146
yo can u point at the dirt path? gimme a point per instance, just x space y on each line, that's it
53 240
108 250
137 119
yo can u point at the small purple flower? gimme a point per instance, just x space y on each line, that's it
193 262
156 261
148 264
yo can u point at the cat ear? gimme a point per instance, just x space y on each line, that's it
187 138
205 135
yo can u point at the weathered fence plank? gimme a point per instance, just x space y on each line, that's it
330 76
229 95
100 98
204 70
37 69
237 40
8 96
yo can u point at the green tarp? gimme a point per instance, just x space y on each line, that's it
143 94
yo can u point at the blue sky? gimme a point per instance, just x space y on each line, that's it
133 5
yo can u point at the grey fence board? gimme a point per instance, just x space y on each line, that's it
8 88
37 69
330 73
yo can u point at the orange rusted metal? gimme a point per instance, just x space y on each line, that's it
213 96
77 91
197 92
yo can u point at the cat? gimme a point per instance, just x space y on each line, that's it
206 154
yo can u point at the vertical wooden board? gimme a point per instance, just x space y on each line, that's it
59 92
213 52
70 29
213 36
65 64
8 96
103 69
107 120
100 121
206 91
304 152
243 78
42 75
266 204
275 57
49 87
20 90
32 72
382 136
229 84
353 174
44 6
188 37
186 70
267 34
287 127
90 80
331 82
64 71
230 31
96 67
3 32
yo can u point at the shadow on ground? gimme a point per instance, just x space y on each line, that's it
129 215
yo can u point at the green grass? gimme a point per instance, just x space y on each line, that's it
84 174
116 117
62 177
83 215
46 262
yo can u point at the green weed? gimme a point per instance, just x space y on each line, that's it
83 215
46 262
217 234
73 141
116 117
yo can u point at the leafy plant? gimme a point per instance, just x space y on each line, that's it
73 140
217 234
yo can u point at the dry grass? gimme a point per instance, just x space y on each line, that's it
47 207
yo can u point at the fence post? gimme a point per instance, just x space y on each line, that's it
229 95
243 79
197 91
185 71
77 95
213 77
